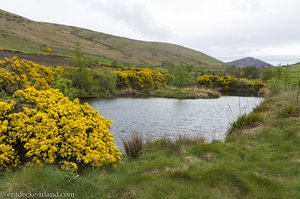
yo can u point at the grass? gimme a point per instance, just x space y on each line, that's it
261 163
246 121
291 110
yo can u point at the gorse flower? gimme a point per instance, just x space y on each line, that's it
18 74
140 78
228 82
41 125
8 158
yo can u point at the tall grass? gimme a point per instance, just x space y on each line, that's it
133 145
176 144
291 110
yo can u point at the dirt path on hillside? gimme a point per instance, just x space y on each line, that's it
41 59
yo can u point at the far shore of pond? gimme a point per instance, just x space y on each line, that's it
177 93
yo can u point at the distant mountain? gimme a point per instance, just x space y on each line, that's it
249 61
20 34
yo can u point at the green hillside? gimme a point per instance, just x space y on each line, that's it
295 66
18 33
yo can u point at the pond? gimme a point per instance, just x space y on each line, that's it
157 117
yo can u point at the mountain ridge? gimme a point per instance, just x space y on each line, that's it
249 61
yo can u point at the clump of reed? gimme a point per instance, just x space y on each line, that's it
133 145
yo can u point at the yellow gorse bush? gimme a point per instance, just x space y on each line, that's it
140 78
52 129
48 50
6 78
19 73
8 158
228 82
41 125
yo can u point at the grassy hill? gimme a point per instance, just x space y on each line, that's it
19 33
295 66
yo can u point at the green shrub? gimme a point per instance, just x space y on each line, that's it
281 79
92 82
181 76
106 81
65 85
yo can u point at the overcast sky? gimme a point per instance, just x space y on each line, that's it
225 29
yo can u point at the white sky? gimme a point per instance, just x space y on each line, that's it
225 29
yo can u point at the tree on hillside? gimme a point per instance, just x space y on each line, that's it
81 76
78 59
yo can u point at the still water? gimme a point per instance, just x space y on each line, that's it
157 117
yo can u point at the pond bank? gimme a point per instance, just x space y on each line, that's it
172 92
182 93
